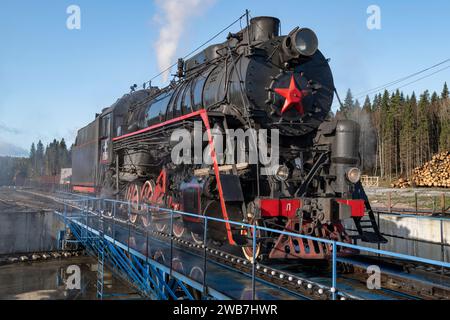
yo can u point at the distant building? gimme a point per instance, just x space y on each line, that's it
66 176
19 179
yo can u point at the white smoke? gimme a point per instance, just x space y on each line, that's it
173 18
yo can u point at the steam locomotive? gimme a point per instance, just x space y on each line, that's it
256 80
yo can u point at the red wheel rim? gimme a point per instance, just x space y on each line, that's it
198 239
159 256
146 195
145 221
160 227
178 229
133 196
248 249
177 265
196 273
147 191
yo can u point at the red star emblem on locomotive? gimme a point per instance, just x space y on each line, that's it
293 96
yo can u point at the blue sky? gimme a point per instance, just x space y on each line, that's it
53 80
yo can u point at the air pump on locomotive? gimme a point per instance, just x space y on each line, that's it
256 79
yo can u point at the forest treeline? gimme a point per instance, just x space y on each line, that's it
42 161
398 132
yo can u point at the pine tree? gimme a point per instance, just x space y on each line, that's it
445 93
407 137
376 122
367 106
444 120
63 154
52 159
368 138
423 128
40 168
415 140
434 125
32 162
348 104
387 128
393 124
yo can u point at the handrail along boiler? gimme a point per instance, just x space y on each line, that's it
256 79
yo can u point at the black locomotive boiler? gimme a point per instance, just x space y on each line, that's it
256 79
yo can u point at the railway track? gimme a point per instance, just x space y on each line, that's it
392 285
39 256
423 281
412 278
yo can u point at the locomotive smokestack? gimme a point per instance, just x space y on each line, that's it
264 28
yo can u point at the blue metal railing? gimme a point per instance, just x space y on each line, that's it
89 202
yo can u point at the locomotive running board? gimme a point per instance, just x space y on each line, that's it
226 168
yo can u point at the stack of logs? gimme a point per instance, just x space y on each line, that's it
401 183
434 173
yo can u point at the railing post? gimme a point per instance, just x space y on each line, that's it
254 263
129 210
171 242
379 228
86 209
65 226
434 204
146 236
102 213
416 202
65 214
389 202
442 241
334 272
114 223
129 228
205 235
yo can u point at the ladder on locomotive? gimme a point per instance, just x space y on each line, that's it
368 229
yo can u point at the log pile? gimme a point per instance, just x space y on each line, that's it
401 183
434 173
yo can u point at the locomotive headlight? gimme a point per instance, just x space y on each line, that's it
282 173
305 41
353 175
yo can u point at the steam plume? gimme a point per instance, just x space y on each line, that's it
368 140
174 17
